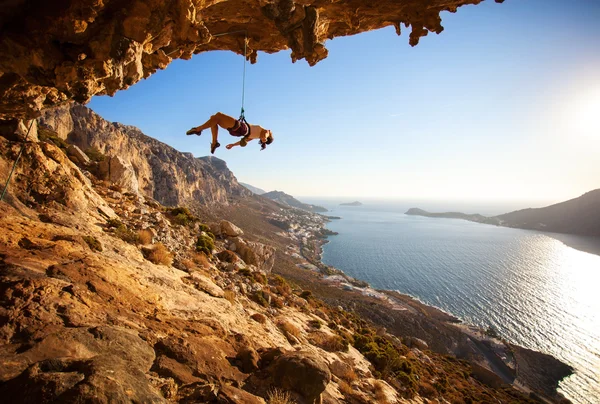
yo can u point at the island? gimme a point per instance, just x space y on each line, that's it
475 217
355 203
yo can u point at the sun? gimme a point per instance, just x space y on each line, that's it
585 115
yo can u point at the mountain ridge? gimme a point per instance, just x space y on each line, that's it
286 199
580 215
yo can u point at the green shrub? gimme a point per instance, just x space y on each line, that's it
261 298
315 324
94 154
307 294
122 232
93 243
182 215
48 135
205 244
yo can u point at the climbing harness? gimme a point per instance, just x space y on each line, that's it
16 161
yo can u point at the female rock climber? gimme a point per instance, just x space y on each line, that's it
238 128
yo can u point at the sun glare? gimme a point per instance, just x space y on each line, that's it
585 116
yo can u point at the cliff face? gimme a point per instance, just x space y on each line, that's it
155 169
74 49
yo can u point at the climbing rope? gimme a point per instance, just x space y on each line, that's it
244 77
16 161
242 118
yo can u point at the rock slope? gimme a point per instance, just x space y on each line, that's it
143 164
74 49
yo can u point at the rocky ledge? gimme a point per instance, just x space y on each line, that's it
53 52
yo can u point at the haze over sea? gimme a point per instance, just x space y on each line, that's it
532 287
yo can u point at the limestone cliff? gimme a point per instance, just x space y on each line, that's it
74 49
155 169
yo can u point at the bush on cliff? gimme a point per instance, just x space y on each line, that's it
49 136
94 154
182 215
205 244
160 255
121 231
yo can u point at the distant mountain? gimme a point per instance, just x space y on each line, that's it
289 200
576 216
455 215
254 189
355 203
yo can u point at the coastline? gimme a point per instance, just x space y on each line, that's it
495 361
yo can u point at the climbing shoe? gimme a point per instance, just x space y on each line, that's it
213 147
194 131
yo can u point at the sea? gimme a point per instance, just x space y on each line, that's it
538 290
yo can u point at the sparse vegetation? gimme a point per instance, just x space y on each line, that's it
328 342
306 294
160 255
201 260
277 396
93 243
145 236
261 298
94 154
288 328
123 232
315 324
205 244
345 388
182 216
48 135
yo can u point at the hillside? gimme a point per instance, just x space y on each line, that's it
289 200
254 189
576 216
107 295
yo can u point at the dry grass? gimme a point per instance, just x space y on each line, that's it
189 265
230 296
345 388
350 376
328 342
289 328
160 255
201 260
145 236
277 396
379 391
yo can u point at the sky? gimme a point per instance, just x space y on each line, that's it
503 105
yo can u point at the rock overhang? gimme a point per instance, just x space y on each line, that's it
53 52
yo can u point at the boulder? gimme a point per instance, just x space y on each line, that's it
120 172
77 155
101 365
233 395
303 373
254 253
230 230
248 359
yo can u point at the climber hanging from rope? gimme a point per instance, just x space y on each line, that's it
238 128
